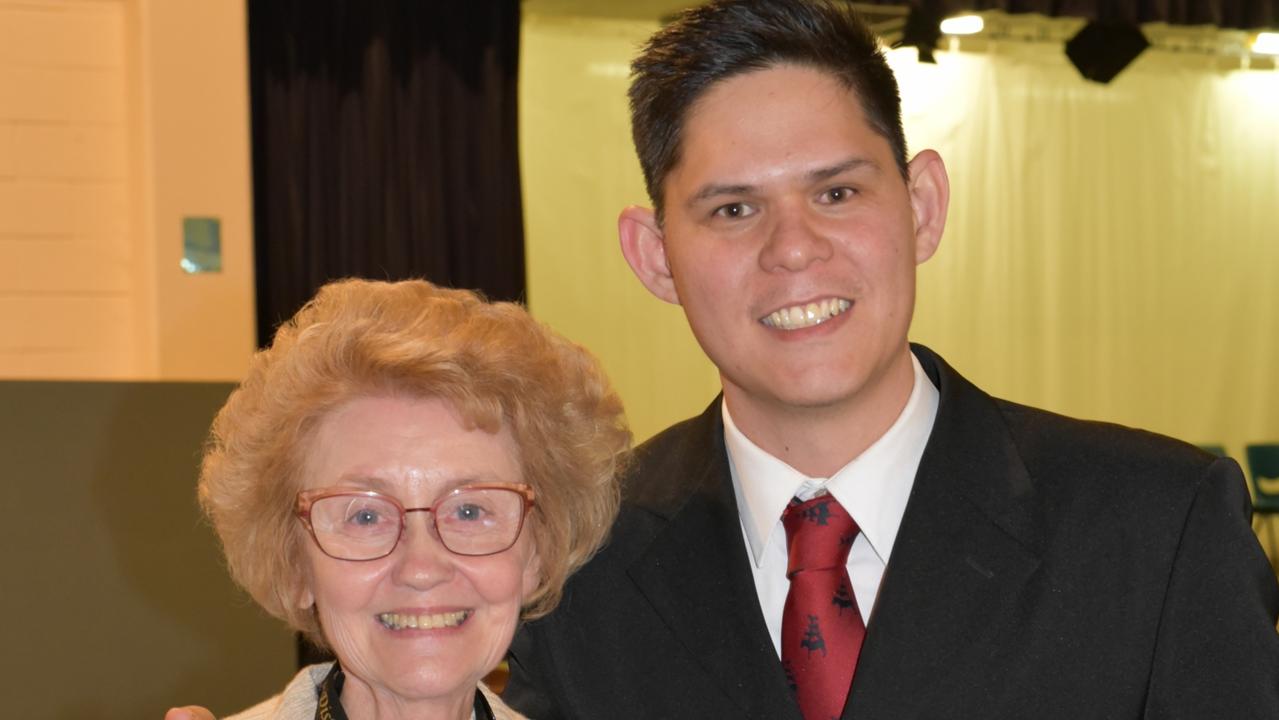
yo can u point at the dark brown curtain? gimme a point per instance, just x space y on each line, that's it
1237 14
384 146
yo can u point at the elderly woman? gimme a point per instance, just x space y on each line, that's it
403 475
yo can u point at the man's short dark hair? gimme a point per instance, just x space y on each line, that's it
724 38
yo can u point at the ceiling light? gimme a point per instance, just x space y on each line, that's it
962 25
1267 43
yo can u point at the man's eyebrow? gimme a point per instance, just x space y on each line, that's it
715 190
831 171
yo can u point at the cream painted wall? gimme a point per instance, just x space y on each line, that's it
117 118
69 302
196 162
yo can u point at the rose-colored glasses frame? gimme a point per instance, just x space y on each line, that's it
307 498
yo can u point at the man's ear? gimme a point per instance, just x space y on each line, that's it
644 246
929 189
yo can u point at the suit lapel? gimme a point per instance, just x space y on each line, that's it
696 576
968 543
966 547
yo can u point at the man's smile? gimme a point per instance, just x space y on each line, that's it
798 317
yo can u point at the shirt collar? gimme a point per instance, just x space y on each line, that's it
873 487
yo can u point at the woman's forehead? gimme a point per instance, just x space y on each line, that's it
413 446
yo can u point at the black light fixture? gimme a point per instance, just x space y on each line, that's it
922 31
1102 49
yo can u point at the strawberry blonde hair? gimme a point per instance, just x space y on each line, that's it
492 362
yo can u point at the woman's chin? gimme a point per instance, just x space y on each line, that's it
430 682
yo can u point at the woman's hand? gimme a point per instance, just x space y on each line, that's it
190 712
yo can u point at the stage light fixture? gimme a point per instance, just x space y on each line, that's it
922 31
1101 50
962 25
1267 43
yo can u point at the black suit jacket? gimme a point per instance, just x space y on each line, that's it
1045 568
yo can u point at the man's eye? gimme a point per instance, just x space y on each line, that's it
734 210
838 195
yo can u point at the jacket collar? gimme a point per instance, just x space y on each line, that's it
969 541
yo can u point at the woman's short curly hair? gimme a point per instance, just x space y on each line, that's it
494 363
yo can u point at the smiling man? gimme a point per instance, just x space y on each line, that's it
853 530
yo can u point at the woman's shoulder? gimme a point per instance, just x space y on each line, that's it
295 702
501 711
298 699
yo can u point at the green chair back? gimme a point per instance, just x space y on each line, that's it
1263 465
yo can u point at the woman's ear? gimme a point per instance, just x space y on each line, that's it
305 598
532 574
644 247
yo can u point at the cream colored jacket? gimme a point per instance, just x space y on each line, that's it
299 698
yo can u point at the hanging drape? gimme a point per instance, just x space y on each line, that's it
384 146
1238 14
1110 251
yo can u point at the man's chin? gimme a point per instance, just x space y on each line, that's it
817 390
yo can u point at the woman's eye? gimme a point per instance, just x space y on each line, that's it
469 513
365 517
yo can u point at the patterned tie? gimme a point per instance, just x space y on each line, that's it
822 630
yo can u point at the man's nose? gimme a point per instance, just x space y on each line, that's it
794 241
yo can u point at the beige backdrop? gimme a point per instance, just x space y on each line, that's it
1111 250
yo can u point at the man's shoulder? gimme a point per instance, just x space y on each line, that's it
664 473
1053 438
685 441
668 467
1058 449
1105 467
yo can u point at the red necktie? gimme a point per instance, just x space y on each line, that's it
822 630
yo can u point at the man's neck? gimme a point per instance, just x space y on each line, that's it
819 440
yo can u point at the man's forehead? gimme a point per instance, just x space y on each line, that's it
809 115
739 83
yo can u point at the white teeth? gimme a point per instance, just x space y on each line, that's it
802 316
398 621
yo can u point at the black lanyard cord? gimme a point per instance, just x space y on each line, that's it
329 705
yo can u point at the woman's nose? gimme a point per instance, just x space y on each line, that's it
422 561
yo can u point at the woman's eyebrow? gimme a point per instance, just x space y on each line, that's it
364 481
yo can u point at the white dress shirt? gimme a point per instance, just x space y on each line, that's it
873 488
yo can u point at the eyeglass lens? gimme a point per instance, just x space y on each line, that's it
478 521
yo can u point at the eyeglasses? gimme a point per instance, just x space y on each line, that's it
349 524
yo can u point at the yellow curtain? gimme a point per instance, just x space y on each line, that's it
1111 253
578 171
1112 250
